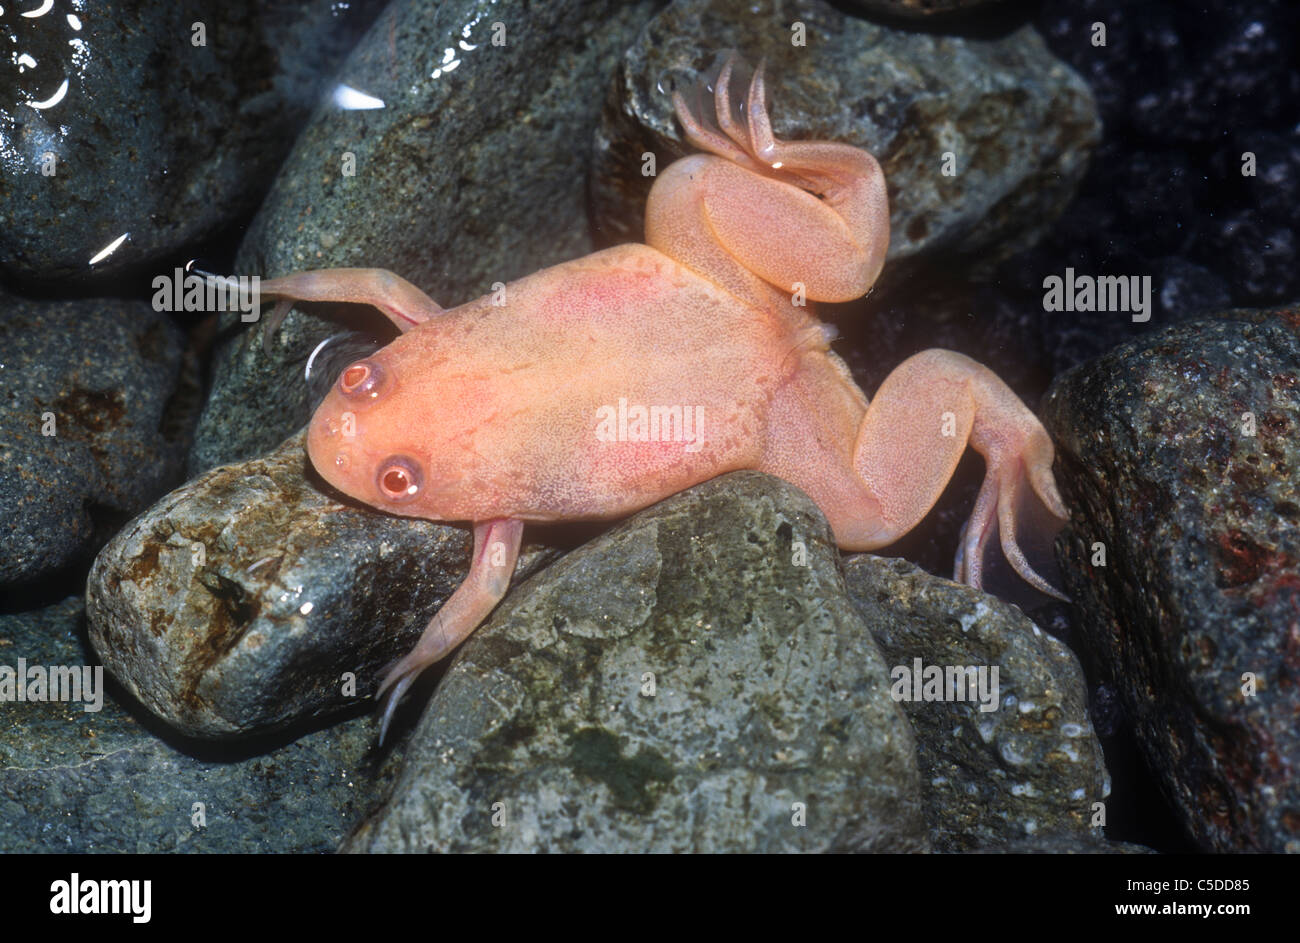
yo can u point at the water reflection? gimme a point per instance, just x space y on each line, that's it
349 99
46 65
109 249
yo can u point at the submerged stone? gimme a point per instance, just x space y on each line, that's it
694 680
252 600
1180 453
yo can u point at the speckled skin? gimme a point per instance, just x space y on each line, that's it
501 411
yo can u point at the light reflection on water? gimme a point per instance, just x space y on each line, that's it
45 70
450 58
346 98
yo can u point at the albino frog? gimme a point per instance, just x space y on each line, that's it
594 388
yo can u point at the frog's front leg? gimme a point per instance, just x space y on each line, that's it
398 300
912 437
496 549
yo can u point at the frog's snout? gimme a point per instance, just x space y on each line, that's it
333 438
331 443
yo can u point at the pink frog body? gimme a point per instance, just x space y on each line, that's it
610 382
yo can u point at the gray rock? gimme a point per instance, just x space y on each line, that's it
155 136
1020 123
239 603
473 173
1032 763
768 692
78 781
1200 524
107 378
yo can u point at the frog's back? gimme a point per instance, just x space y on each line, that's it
589 389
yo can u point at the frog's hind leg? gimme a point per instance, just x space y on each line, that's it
395 297
716 126
496 549
913 435
807 216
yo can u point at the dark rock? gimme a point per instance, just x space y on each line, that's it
1068 843
1183 98
238 604
107 379
768 692
156 137
1263 253
1024 761
473 173
920 9
1020 123
1175 78
1185 290
97 781
1252 228
1199 520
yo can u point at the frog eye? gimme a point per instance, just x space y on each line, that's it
360 379
399 479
